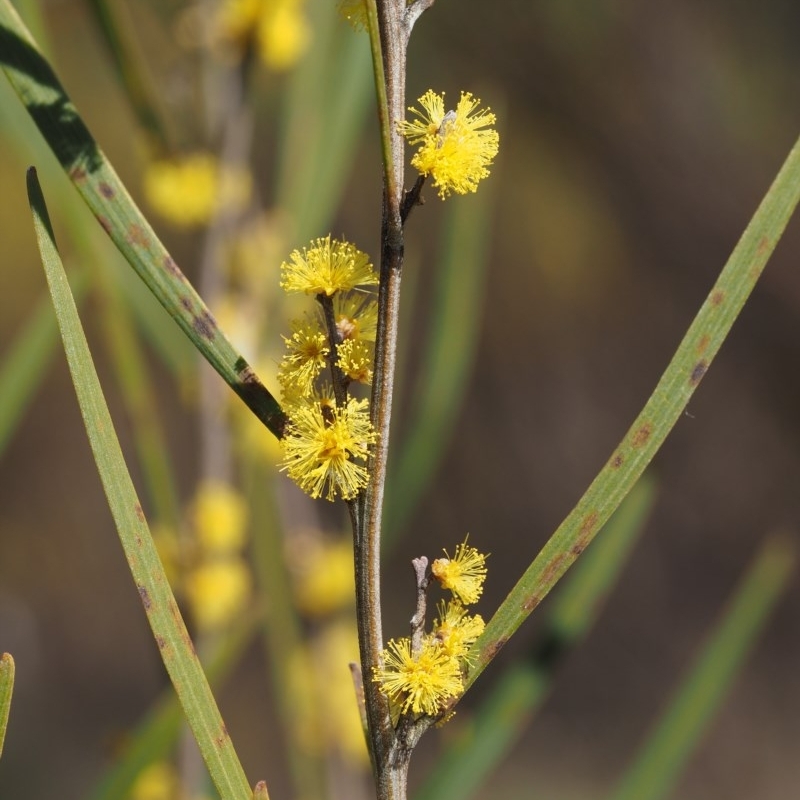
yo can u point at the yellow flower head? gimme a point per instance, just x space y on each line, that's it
324 580
307 352
219 517
456 147
356 316
218 590
278 27
189 191
423 684
456 631
355 360
323 445
463 574
158 781
326 268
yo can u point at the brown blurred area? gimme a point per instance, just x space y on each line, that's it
636 141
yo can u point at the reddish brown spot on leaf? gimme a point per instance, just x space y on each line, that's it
205 325
641 436
617 461
173 269
531 602
495 648
717 296
703 343
161 642
223 736
137 236
139 513
698 371
105 224
763 245
146 601
106 190
77 174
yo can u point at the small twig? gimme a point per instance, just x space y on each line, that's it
414 11
412 198
418 620
334 340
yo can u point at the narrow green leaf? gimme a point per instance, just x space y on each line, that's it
665 753
25 364
169 631
665 406
156 736
98 184
486 738
452 343
6 690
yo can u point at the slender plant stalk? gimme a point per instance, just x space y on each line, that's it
6 690
388 32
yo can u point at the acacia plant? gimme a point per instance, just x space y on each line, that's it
331 407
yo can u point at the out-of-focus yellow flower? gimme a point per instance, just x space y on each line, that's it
219 517
463 574
456 147
158 781
217 591
337 649
279 28
324 579
190 190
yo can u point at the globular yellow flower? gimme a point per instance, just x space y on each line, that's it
306 357
463 574
456 631
456 147
279 28
219 517
188 191
422 685
324 578
218 591
356 316
158 781
329 266
323 446
355 360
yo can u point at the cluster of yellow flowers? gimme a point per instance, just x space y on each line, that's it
208 568
426 682
327 442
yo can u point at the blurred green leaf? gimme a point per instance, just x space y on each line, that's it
169 631
665 753
665 406
93 176
6 690
487 736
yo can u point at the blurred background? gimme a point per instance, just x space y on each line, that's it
636 141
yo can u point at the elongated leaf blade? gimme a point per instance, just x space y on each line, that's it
648 432
169 631
6 690
98 184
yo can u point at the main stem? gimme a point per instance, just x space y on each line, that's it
389 37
